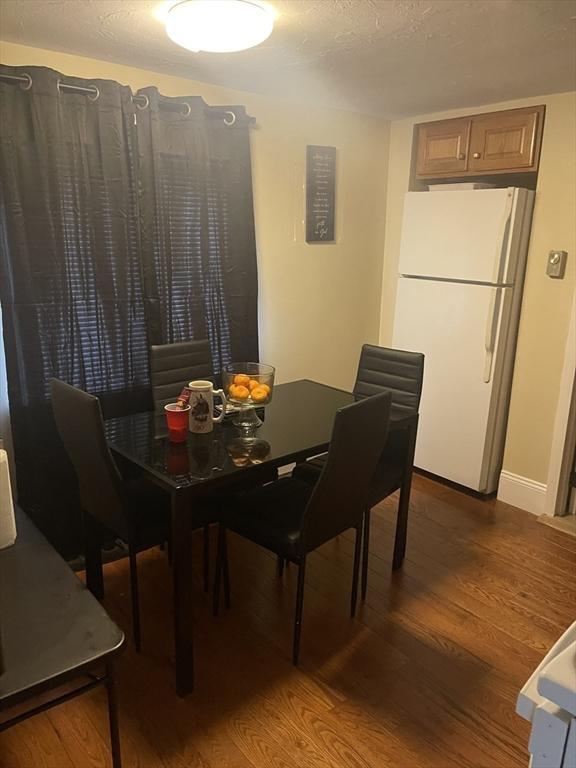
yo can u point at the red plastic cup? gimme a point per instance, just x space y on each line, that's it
177 420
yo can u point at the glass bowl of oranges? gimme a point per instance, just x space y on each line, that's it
248 386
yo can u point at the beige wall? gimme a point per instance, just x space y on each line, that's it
318 303
547 303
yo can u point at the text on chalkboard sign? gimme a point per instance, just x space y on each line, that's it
320 193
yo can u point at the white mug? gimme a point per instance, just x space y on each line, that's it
202 406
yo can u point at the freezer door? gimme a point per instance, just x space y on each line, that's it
461 329
461 235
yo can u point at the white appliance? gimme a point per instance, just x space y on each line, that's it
548 701
462 262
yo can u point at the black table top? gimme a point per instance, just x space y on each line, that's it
51 627
297 424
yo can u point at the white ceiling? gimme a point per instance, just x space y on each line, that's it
385 57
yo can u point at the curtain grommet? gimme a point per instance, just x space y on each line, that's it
187 111
93 92
28 85
141 96
232 117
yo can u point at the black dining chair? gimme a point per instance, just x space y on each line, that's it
172 366
134 510
293 518
401 373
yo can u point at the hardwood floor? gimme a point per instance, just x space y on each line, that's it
426 676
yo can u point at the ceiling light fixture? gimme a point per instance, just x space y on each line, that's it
219 26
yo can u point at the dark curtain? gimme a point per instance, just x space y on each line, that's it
120 226
197 225
70 274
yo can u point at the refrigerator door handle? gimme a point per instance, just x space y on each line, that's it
503 247
491 327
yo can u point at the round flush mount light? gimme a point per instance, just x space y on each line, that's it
219 26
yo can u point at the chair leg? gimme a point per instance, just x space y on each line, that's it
356 570
401 529
93 558
299 607
404 503
365 551
135 597
113 716
280 566
206 534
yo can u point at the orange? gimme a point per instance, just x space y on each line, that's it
242 379
240 392
253 384
266 387
259 394
231 389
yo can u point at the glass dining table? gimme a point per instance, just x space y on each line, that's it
297 424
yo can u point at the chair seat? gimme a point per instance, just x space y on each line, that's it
150 510
387 477
390 468
309 471
271 515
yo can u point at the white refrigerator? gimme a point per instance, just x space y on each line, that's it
462 263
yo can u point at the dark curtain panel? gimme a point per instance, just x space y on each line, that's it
70 274
119 227
197 225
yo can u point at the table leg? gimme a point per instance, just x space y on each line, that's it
183 594
404 503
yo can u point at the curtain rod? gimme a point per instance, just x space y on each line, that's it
141 101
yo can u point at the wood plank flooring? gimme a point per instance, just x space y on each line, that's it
426 676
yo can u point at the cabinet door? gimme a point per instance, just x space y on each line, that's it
505 141
443 147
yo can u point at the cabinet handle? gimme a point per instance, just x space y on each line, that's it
476 155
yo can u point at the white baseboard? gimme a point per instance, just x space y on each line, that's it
522 492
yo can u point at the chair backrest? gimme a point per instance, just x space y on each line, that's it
79 422
172 366
394 370
340 495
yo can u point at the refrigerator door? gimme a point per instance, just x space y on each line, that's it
462 330
466 235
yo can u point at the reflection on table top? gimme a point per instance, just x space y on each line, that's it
297 424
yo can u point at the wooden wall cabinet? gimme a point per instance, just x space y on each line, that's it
479 145
443 147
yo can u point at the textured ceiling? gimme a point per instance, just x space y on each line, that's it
385 57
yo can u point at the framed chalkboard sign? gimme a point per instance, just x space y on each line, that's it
320 194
